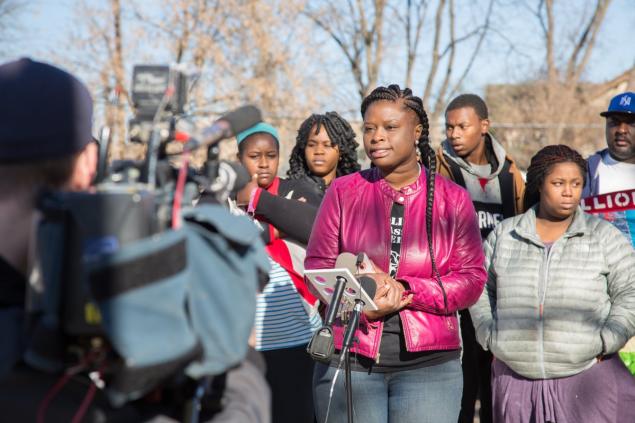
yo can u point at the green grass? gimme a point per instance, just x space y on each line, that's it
629 359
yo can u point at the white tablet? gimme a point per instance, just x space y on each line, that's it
324 281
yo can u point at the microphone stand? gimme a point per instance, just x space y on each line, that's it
322 344
345 355
346 345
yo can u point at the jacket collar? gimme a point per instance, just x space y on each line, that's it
494 151
399 196
526 226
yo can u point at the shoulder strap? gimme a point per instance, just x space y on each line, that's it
455 171
508 195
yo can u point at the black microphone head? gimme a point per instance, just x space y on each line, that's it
242 118
368 284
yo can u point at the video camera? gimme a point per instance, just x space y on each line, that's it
131 287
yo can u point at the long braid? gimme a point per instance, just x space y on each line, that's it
395 94
540 166
340 133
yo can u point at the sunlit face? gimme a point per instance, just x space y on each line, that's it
321 154
260 156
391 131
465 130
84 169
620 137
561 191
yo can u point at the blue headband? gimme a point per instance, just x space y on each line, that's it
258 128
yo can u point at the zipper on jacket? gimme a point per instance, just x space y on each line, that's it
387 253
541 306
545 277
381 333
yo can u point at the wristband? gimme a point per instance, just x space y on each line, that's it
251 208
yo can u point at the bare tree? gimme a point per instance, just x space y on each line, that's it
557 102
564 79
412 21
244 51
114 45
451 82
359 30
96 52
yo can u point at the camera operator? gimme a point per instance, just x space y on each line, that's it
46 143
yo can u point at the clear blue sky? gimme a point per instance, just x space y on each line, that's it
44 26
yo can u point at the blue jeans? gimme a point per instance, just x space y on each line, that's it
427 394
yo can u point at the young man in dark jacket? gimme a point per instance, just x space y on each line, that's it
474 159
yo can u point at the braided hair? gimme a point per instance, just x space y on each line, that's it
542 163
340 133
395 94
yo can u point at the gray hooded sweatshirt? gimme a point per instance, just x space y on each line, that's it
482 183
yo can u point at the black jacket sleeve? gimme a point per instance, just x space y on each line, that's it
294 218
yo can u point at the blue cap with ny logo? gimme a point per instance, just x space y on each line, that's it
622 103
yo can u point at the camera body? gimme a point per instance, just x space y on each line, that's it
123 294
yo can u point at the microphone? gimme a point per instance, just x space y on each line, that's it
227 126
336 299
368 285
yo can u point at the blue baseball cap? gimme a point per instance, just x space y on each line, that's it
261 127
622 104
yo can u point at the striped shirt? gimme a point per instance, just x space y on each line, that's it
282 320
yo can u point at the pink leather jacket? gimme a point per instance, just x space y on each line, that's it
355 217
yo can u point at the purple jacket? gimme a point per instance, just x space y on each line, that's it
355 217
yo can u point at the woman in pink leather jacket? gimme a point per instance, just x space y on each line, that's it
406 361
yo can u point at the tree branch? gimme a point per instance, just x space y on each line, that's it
448 70
438 23
413 44
552 73
475 52
586 42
